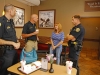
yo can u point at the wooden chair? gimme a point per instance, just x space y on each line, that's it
64 55
43 48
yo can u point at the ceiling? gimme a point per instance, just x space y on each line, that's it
31 2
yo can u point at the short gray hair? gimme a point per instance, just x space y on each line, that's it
7 7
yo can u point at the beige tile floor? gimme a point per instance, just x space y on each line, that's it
89 66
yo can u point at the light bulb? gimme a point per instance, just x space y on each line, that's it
3 13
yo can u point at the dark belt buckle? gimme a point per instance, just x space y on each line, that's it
9 47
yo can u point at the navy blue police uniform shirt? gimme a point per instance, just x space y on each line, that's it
30 28
7 29
78 32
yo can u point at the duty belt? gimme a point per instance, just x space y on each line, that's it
76 45
32 40
8 47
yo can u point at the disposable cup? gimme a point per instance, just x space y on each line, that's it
69 65
23 63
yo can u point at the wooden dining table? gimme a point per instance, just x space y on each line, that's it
58 70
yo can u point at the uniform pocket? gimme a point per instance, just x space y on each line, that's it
9 32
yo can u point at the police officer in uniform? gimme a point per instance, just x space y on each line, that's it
8 40
30 33
75 39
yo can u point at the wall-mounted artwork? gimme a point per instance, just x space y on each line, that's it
46 18
19 17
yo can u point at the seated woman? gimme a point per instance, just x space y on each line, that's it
57 39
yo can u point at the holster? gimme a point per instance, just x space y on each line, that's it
78 47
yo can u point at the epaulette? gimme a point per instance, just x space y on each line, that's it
1 19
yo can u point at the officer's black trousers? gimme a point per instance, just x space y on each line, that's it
75 65
74 56
10 58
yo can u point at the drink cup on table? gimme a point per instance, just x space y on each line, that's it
23 63
69 65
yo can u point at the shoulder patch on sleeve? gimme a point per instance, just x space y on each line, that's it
77 29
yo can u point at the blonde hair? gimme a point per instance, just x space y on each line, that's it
59 28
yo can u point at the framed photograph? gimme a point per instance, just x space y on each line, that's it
19 17
46 18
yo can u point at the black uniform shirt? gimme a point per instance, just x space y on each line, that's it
78 32
30 28
7 29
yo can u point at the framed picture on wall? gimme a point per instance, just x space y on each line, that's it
19 17
46 18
